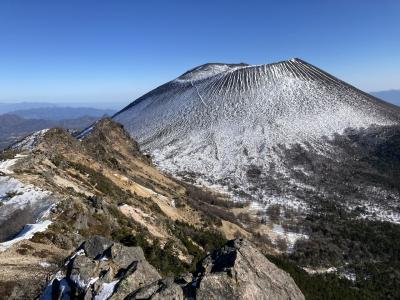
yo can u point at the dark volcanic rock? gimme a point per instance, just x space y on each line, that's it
236 271
165 289
102 269
95 246
124 256
240 271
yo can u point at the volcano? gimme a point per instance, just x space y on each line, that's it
236 125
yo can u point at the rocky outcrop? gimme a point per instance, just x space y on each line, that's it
162 289
240 271
101 269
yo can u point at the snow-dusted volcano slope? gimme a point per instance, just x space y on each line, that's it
217 120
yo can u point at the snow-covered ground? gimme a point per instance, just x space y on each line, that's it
64 289
6 165
278 231
106 290
26 234
288 202
29 142
84 133
16 196
341 272
289 237
320 270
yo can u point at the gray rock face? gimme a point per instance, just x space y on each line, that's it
95 246
138 275
240 271
101 269
165 289
124 256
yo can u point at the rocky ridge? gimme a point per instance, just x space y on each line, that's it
101 269
104 186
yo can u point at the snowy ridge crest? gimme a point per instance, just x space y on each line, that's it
29 142
244 76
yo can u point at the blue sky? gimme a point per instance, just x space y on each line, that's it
114 51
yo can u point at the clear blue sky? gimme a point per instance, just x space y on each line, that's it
81 50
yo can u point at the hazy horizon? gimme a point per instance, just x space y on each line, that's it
390 95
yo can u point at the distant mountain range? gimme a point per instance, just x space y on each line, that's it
61 113
50 111
14 128
10 107
20 119
392 96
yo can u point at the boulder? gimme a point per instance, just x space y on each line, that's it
239 271
124 256
138 274
102 269
95 246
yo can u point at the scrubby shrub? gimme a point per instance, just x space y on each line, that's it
322 286
7 154
164 259
281 244
274 213
198 194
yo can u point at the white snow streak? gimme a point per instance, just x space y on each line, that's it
26 234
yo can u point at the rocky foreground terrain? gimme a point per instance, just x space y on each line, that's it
94 219
101 269
72 206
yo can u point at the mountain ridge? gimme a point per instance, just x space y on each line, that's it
286 64
14 127
392 95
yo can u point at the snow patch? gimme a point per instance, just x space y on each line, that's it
290 237
65 289
23 194
80 252
26 234
84 133
106 290
30 142
320 270
6 166
45 264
